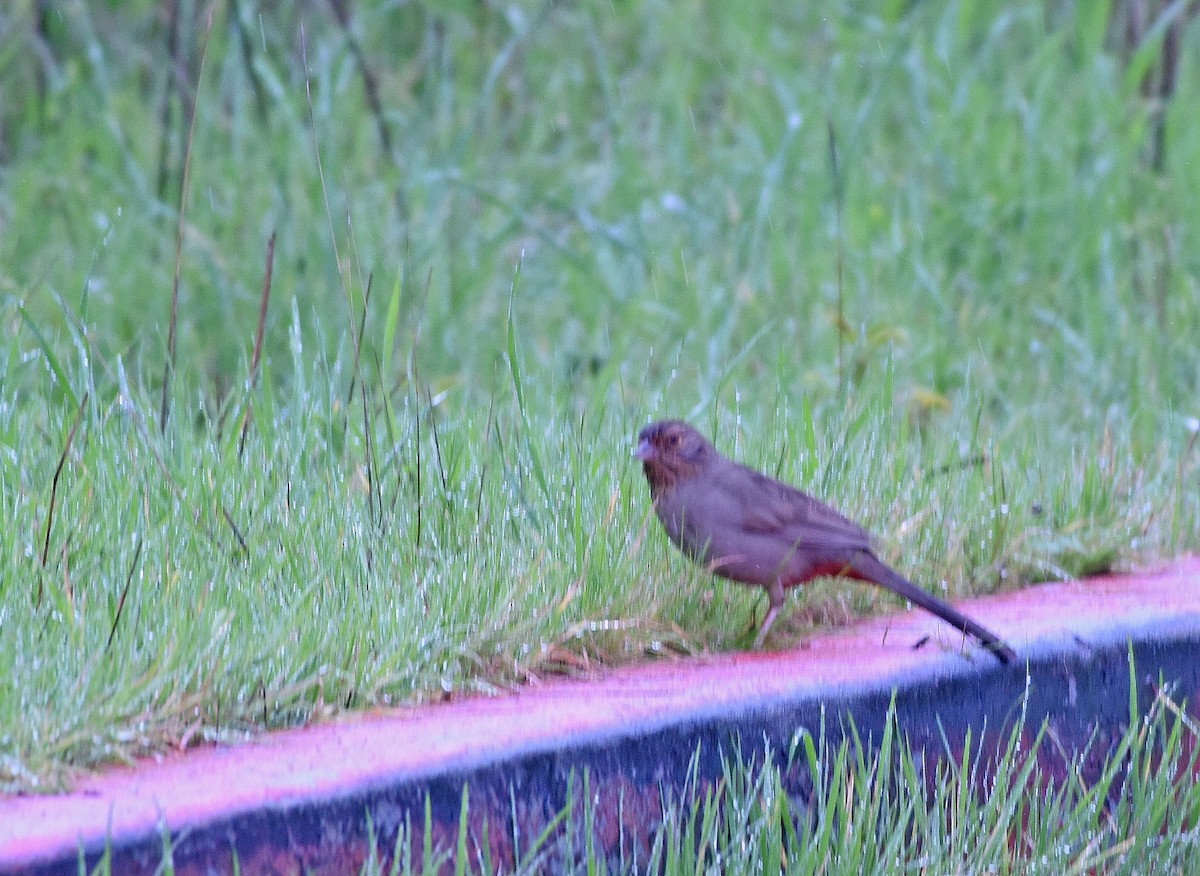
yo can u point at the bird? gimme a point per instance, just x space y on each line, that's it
756 530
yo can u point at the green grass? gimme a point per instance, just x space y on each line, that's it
586 217
877 806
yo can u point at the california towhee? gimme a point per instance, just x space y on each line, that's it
753 529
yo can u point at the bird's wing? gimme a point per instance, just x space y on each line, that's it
771 507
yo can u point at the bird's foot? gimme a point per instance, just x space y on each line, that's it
765 628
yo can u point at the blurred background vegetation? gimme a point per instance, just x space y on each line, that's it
1015 192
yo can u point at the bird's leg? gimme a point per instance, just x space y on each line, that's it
775 598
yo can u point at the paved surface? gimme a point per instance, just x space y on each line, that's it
299 771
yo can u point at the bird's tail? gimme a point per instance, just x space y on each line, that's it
871 568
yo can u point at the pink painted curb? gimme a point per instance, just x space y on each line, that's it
202 786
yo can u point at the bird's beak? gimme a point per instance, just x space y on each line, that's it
644 450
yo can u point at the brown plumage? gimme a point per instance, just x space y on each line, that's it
756 530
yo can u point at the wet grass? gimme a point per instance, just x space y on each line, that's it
915 262
867 806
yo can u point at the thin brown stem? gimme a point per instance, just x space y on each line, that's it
369 454
437 444
358 339
137 555
258 340
237 533
62 461
169 367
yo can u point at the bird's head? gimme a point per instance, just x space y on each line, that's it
671 450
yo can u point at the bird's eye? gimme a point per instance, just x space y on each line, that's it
673 441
